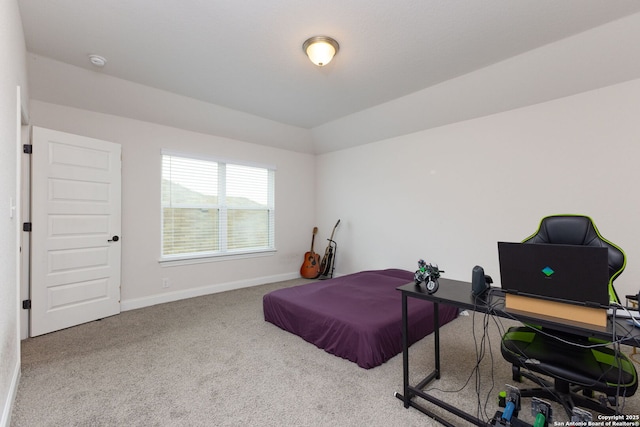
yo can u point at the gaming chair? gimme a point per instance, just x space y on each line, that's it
571 361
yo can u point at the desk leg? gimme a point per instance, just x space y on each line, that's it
409 392
436 342
405 351
436 336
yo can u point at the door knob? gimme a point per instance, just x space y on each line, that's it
114 239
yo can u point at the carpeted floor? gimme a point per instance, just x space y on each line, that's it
214 361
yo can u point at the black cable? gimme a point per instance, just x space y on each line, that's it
615 343
492 311
485 343
486 402
480 352
475 371
540 383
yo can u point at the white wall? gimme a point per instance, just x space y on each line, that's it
12 75
142 143
449 194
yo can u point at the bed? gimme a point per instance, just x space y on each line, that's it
357 317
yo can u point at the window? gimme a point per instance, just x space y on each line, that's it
212 208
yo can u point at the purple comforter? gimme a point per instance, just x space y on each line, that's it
357 317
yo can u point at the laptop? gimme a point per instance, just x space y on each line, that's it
564 273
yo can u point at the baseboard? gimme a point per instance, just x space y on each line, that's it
5 421
135 303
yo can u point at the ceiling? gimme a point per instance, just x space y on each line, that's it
247 54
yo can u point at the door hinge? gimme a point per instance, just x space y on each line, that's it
26 226
27 148
26 304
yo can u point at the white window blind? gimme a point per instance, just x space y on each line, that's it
212 208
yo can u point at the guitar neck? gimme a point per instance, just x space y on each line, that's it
313 237
334 230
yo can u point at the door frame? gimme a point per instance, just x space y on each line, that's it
23 214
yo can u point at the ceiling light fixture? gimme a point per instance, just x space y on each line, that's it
320 49
97 60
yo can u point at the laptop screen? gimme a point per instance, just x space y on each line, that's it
567 273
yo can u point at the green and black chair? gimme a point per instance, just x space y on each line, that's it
573 368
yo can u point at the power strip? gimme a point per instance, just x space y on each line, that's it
624 314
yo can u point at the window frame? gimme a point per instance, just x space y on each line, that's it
224 253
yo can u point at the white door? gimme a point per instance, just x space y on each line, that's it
75 238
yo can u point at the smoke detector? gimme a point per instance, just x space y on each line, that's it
97 60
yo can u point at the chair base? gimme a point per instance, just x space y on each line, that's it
563 393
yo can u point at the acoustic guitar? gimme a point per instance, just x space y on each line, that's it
311 265
326 266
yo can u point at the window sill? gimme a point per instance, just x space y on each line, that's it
199 259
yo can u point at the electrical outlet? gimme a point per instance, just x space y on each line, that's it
166 282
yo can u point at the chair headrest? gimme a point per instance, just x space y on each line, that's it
566 230
578 230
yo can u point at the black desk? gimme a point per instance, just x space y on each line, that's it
458 294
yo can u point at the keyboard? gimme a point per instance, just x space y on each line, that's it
624 314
